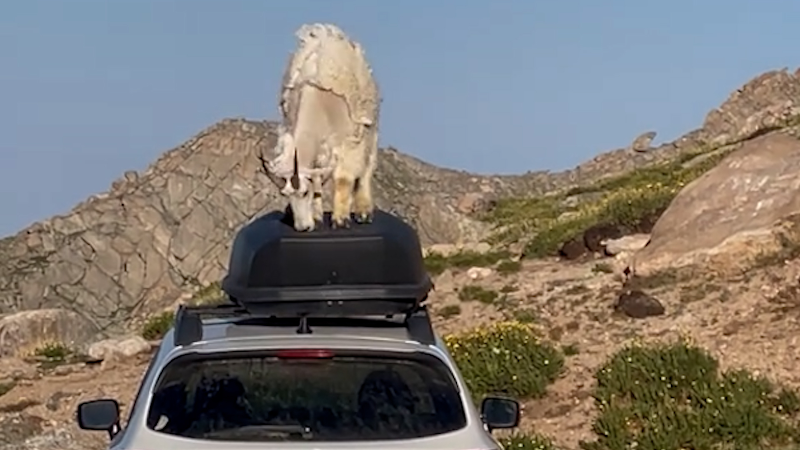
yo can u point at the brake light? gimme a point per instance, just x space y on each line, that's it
305 354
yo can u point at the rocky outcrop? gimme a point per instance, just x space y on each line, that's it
745 207
764 103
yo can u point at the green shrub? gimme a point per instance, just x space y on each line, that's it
548 240
6 387
517 218
508 267
157 326
448 311
208 295
508 358
477 293
437 263
673 396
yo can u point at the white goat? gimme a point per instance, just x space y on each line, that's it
329 103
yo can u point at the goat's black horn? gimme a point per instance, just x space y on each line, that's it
295 180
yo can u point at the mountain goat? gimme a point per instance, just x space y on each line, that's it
329 103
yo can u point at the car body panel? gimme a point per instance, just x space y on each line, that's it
223 336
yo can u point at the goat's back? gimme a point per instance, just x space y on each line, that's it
328 60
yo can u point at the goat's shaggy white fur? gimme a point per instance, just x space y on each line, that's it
330 103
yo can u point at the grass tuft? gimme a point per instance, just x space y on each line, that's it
54 351
157 326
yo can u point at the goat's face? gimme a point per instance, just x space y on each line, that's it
301 202
293 183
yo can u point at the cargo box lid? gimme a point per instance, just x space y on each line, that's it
368 269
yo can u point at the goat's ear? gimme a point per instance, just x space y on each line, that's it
278 181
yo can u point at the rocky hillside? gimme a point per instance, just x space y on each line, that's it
157 234
697 239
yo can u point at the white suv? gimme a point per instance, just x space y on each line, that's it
292 363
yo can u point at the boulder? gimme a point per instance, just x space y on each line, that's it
637 304
23 332
119 348
595 235
746 206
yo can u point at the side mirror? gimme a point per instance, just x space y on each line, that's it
499 412
99 415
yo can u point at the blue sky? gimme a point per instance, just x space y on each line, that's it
91 88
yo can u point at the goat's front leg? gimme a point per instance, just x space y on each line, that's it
364 203
316 191
343 184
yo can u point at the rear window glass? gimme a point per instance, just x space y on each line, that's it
306 397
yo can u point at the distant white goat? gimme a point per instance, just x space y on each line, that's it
329 103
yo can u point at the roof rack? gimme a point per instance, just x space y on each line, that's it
189 319
275 272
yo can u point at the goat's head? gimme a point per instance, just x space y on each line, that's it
293 180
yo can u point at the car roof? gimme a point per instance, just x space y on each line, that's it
250 334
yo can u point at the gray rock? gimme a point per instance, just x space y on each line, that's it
118 348
643 141
638 304
627 244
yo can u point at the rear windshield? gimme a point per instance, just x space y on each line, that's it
311 396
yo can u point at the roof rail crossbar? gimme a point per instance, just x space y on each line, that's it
188 322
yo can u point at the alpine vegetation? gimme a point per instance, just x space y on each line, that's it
329 103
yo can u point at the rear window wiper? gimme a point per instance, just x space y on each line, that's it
278 432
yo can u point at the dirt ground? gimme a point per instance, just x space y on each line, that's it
748 322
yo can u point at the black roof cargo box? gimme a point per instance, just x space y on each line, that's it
368 269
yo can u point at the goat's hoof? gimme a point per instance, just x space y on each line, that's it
363 218
343 223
